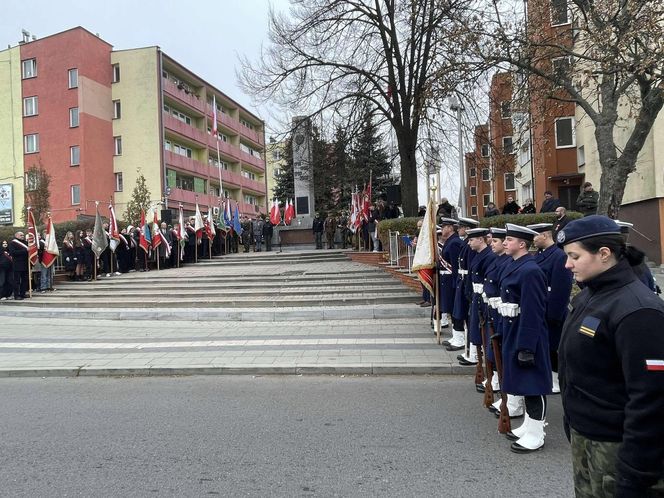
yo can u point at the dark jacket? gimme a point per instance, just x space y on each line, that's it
611 389
558 225
511 208
317 225
550 205
529 209
268 229
446 211
491 212
586 203
19 254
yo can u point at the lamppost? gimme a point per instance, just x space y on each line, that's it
458 108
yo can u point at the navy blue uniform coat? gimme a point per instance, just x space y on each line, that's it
448 281
559 281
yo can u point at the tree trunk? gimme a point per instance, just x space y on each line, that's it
407 142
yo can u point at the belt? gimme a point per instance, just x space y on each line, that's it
494 302
549 288
478 288
484 298
463 272
446 272
509 310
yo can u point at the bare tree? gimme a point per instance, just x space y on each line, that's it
37 192
610 58
335 55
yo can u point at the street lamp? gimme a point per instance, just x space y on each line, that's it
458 107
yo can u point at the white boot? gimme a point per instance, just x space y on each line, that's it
556 384
533 439
495 383
471 357
515 405
520 431
457 340
444 322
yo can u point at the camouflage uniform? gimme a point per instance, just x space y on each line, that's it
594 468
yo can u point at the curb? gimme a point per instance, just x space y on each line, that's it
239 370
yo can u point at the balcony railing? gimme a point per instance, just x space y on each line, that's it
254 185
253 160
202 170
179 94
184 129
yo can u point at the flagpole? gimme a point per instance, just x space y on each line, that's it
29 277
435 272
96 263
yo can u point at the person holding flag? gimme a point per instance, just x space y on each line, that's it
199 226
113 238
157 240
144 240
48 255
99 240
424 260
210 230
19 253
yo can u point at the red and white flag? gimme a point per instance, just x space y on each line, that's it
289 212
366 199
209 225
275 214
424 261
198 222
144 239
32 239
51 251
655 365
156 232
214 117
113 232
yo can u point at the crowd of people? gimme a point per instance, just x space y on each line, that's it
504 293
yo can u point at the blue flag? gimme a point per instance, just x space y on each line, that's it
236 221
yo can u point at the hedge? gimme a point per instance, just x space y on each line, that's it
405 226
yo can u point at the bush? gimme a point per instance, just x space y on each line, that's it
524 219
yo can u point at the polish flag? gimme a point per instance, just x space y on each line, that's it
424 262
51 250
198 222
113 232
209 224
275 215
288 214
655 365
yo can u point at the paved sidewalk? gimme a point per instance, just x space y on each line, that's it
64 347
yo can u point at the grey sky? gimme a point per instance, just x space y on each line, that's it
206 36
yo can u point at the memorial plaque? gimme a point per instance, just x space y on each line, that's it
7 204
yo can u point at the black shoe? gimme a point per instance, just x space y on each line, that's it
446 342
497 414
511 436
480 388
464 362
494 410
455 348
19 298
517 448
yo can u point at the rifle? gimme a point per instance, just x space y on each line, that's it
479 369
504 425
488 389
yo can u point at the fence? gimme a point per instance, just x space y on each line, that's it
400 250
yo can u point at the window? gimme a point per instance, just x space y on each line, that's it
117 109
472 172
213 162
508 145
506 109
277 172
31 143
227 194
180 116
74 155
248 174
473 191
486 177
562 70
509 181
29 68
75 194
117 146
250 199
116 73
473 210
73 117
581 156
118 182
30 106
246 124
486 199
565 133
485 150
276 155
559 12
73 78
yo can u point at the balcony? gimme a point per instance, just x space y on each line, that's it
225 147
250 209
187 131
181 96
253 160
253 185
201 170
254 136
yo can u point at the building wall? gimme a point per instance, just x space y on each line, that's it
139 125
477 187
11 127
501 162
55 55
274 161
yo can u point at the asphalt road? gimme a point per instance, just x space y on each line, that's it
265 436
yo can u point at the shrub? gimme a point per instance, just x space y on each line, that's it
405 226
524 219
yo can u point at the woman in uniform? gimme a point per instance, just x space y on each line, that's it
612 367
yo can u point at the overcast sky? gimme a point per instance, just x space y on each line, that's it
206 36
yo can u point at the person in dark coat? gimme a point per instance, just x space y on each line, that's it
491 210
637 260
528 207
448 275
445 209
88 255
611 367
6 269
587 201
511 207
552 259
166 246
484 256
561 221
318 228
268 233
525 350
69 255
18 250
550 203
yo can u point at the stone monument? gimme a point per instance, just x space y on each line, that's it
303 172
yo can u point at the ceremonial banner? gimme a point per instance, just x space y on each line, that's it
424 261
51 250
32 239
99 240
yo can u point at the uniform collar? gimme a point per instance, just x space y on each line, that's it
613 278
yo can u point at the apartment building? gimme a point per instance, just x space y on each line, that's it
275 162
95 119
478 173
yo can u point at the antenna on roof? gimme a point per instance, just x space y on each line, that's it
26 35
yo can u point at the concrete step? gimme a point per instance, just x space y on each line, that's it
189 314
